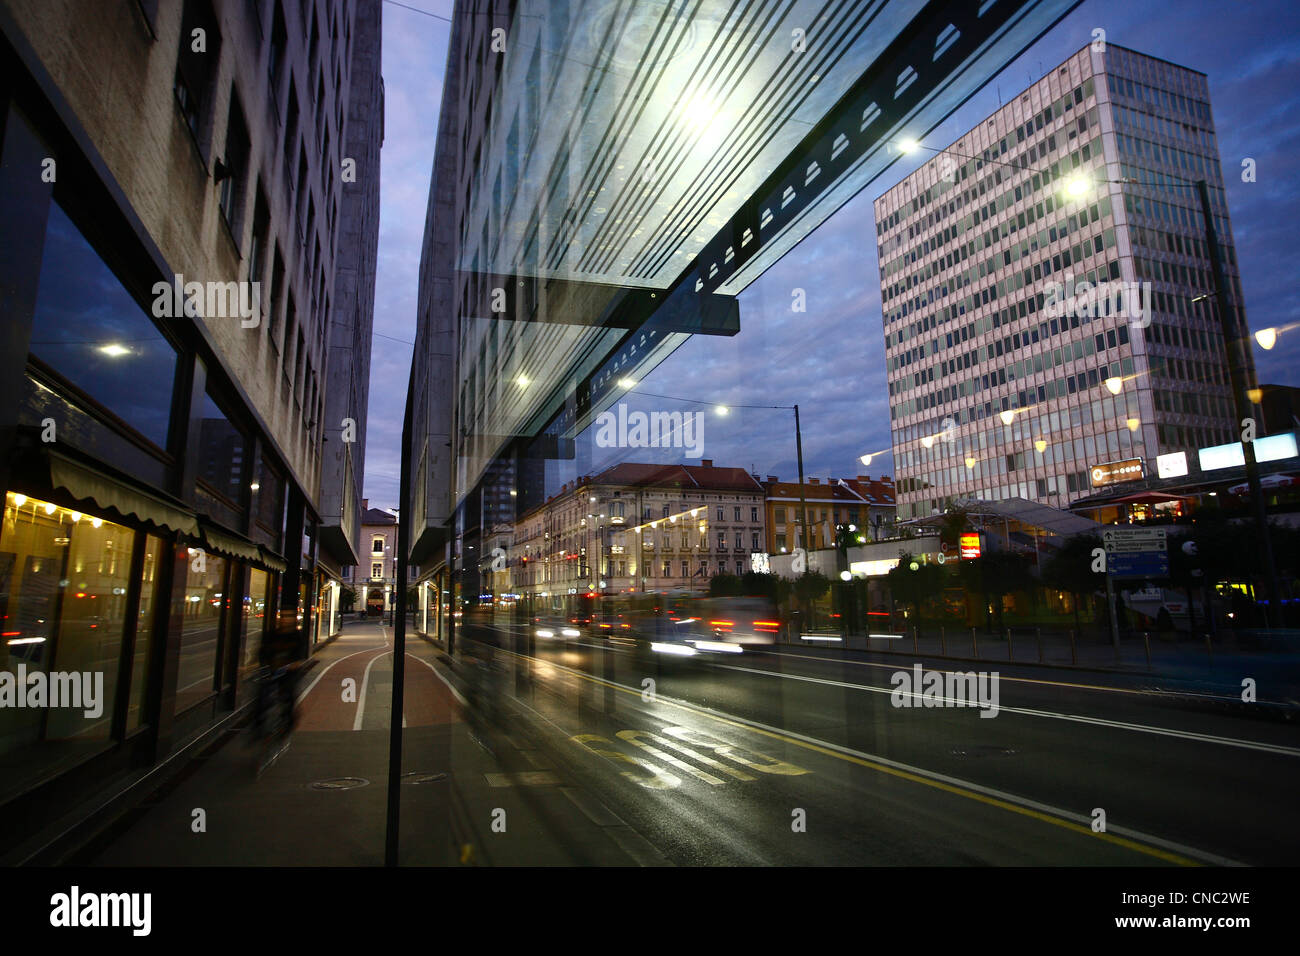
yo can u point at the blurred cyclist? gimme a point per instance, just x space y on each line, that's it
278 681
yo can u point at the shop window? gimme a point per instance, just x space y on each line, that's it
255 603
90 331
144 632
63 583
205 599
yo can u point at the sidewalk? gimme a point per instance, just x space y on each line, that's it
323 802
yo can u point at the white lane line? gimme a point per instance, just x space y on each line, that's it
365 683
438 674
1030 712
1012 798
325 670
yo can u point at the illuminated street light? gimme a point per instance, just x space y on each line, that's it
908 145
722 410
1007 417
928 441
1077 186
1133 424
113 350
1266 338
627 383
521 381
1115 384
865 459
970 462
1040 446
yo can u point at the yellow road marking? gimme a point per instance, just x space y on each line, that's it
1064 824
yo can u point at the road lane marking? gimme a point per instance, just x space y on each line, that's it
326 669
1128 838
438 674
633 737
1031 712
365 684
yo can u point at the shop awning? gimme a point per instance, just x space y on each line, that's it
223 543
273 562
110 494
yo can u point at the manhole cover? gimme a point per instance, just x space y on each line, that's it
982 750
340 783
422 776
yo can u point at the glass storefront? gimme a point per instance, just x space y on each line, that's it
64 578
144 631
205 598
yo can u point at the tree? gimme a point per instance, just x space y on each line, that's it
1070 569
995 574
347 599
914 582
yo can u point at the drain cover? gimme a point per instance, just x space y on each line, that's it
422 776
340 783
982 750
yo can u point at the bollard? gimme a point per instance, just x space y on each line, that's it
1074 656
1010 656
1146 643
943 643
975 647
1038 636
916 637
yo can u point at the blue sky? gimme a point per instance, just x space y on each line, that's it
830 359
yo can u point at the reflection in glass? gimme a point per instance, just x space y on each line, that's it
90 330
63 583
204 601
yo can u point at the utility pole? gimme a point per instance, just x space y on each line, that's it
803 503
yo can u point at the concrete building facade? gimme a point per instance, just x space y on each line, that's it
173 188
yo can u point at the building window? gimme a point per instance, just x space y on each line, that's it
686 571
236 169
200 44
205 602
377 569
753 541
753 514
63 586
89 330
221 452
377 545
778 515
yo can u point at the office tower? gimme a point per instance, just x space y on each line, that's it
1047 325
